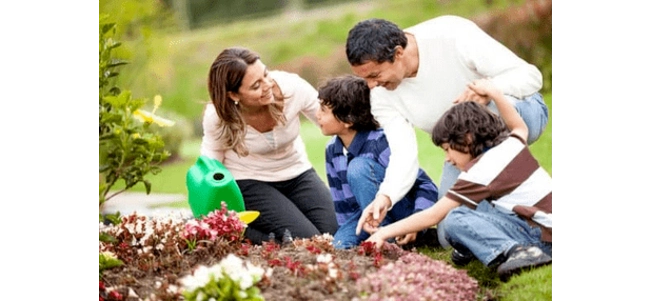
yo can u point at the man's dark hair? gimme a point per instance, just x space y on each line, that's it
348 98
470 128
374 40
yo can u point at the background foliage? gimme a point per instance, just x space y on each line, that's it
128 149
306 38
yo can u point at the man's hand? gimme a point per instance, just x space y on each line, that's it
373 214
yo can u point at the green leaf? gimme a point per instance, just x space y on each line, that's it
148 186
104 237
107 27
116 62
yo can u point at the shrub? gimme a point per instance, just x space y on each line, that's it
128 148
527 30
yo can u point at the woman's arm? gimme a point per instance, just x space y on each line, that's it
306 95
210 146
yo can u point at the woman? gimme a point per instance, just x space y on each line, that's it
252 127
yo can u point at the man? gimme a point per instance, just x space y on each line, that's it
419 73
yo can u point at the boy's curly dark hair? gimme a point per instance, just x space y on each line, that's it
470 128
348 98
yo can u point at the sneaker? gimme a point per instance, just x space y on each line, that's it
426 238
519 258
429 238
461 258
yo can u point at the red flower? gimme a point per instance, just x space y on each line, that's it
114 295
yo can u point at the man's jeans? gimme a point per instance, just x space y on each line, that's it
364 177
534 112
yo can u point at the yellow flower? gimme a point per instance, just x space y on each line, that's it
145 116
157 102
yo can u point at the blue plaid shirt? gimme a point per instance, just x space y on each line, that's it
372 145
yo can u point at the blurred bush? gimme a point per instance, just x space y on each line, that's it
176 135
308 42
527 30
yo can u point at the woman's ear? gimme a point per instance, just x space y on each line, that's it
233 96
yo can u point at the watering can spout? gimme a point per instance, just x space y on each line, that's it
209 183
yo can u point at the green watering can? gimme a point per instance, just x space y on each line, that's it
209 183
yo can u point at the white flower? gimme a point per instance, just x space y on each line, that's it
255 271
201 295
246 281
268 273
172 289
232 265
324 258
244 273
132 294
332 272
216 272
200 277
108 254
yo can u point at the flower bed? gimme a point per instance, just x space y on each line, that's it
171 258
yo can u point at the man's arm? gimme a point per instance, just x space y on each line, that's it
489 58
403 166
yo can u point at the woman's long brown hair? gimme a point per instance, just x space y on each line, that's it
225 75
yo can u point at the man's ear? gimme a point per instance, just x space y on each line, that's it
399 51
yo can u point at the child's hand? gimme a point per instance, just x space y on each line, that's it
470 95
401 240
377 239
483 87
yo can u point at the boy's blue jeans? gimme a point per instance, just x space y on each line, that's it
364 176
534 112
488 232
